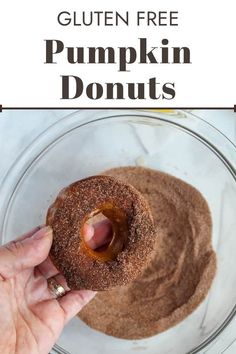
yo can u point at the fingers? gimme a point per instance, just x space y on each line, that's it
29 233
98 234
88 233
47 268
25 253
74 301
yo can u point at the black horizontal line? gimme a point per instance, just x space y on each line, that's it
85 107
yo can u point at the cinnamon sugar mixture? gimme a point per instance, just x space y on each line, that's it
178 277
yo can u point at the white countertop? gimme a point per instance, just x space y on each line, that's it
19 128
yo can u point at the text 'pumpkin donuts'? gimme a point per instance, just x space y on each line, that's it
133 233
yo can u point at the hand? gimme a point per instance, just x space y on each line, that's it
31 319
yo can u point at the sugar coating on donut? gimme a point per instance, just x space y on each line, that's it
66 217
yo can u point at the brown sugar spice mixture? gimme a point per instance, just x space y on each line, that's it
178 277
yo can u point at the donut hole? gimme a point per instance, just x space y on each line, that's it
103 232
110 233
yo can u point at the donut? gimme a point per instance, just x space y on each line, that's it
133 237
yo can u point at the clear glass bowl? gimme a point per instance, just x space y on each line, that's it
176 142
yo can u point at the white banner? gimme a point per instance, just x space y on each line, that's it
117 54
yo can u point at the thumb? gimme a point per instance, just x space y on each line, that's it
22 254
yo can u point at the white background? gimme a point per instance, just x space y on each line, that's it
208 28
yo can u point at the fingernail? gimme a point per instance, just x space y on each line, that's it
44 232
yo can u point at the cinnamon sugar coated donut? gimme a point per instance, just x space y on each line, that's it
133 238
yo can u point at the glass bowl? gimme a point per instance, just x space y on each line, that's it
175 142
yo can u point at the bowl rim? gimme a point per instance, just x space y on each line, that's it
80 118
